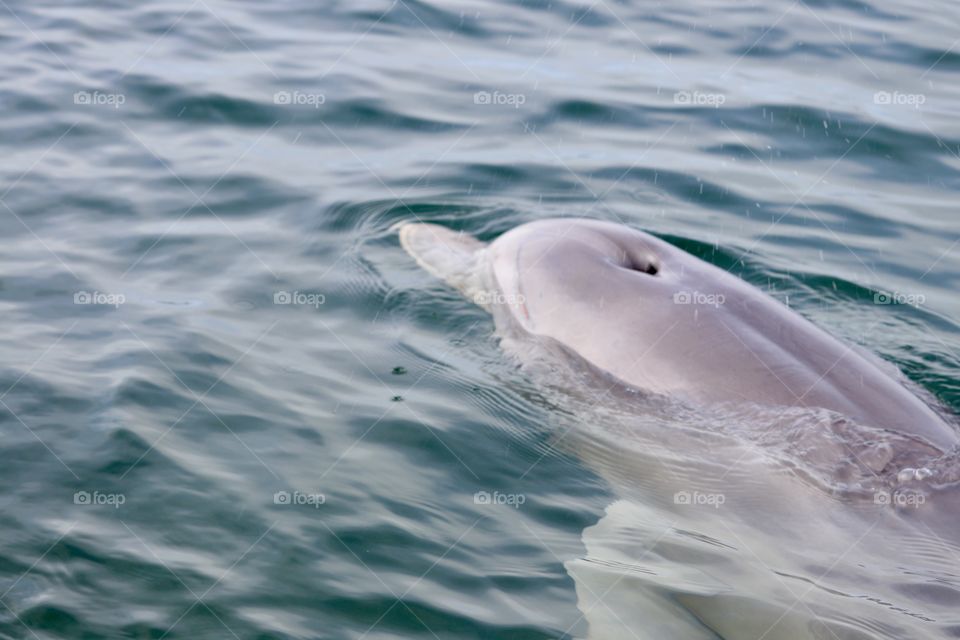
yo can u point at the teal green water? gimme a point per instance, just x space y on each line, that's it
233 407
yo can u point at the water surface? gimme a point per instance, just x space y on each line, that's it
190 453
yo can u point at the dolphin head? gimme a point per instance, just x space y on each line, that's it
557 270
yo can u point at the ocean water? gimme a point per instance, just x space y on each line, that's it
233 407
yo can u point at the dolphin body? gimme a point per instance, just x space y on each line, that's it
663 321
641 315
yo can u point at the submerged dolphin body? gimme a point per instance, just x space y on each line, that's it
642 315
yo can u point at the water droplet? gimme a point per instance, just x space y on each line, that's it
906 475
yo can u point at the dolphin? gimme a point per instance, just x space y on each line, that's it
663 321
666 329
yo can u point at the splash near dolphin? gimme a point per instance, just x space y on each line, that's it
803 429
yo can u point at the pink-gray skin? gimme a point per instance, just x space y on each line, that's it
664 321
